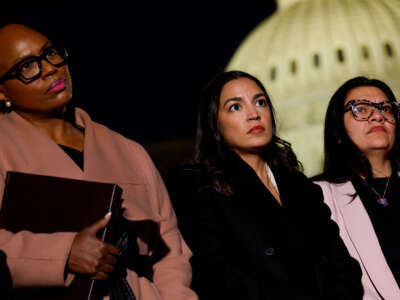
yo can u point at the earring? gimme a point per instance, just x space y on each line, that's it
8 103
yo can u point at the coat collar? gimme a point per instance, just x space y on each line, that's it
362 234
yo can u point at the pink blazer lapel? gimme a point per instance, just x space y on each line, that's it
109 158
36 151
365 241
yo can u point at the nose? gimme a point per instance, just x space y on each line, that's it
376 116
48 69
253 113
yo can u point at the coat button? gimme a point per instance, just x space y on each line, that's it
269 251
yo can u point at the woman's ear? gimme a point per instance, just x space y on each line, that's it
3 96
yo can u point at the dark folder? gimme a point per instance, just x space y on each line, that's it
45 204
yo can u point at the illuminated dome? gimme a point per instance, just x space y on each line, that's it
307 49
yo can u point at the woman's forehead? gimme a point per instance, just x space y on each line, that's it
17 41
371 93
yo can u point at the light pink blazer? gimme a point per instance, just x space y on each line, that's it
359 236
40 259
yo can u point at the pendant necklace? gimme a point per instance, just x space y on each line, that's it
382 200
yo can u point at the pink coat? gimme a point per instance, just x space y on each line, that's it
359 236
40 259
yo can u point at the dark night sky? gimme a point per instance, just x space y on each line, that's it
139 69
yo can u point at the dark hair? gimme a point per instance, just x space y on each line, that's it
211 151
342 159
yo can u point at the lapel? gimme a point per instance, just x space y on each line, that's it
24 148
108 157
36 152
361 232
249 187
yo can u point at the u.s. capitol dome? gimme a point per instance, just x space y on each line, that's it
307 49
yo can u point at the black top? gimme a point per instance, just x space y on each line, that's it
75 155
247 246
5 279
385 220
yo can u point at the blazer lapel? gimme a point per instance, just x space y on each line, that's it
107 159
38 153
365 241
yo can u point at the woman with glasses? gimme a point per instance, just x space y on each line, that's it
258 228
361 181
40 133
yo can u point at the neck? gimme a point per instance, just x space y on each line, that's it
380 165
57 128
255 162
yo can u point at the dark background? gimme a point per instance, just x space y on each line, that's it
139 68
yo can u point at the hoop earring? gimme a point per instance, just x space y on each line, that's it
8 103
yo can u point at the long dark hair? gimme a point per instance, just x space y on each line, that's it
211 151
342 159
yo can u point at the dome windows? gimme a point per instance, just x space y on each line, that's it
316 60
272 74
340 55
388 49
293 67
364 52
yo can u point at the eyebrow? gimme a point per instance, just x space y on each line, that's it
240 98
45 45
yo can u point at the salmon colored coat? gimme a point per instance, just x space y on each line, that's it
358 234
40 259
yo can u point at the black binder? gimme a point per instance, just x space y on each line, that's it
46 204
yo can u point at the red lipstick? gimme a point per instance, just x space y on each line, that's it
377 129
256 129
57 86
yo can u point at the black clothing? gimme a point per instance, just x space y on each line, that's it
247 246
5 279
75 155
385 220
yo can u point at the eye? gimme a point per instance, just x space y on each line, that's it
28 65
234 107
361 108
51 52
386 108
261 102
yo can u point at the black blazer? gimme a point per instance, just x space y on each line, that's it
5 279
247 246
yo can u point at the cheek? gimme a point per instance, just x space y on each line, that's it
353 130
17 90
229 127
392 133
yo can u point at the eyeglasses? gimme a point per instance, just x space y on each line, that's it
363 109
29 69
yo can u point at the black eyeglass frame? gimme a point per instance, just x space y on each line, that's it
351 105
15 73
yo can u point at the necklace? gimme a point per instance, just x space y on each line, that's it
382 200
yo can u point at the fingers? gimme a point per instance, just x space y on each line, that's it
105 267
111 249
108 258
100 276
90 255
96 226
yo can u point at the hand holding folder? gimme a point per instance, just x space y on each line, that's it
89 255
45 204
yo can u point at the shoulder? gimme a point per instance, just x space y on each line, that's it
105 134
189 178
300 182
